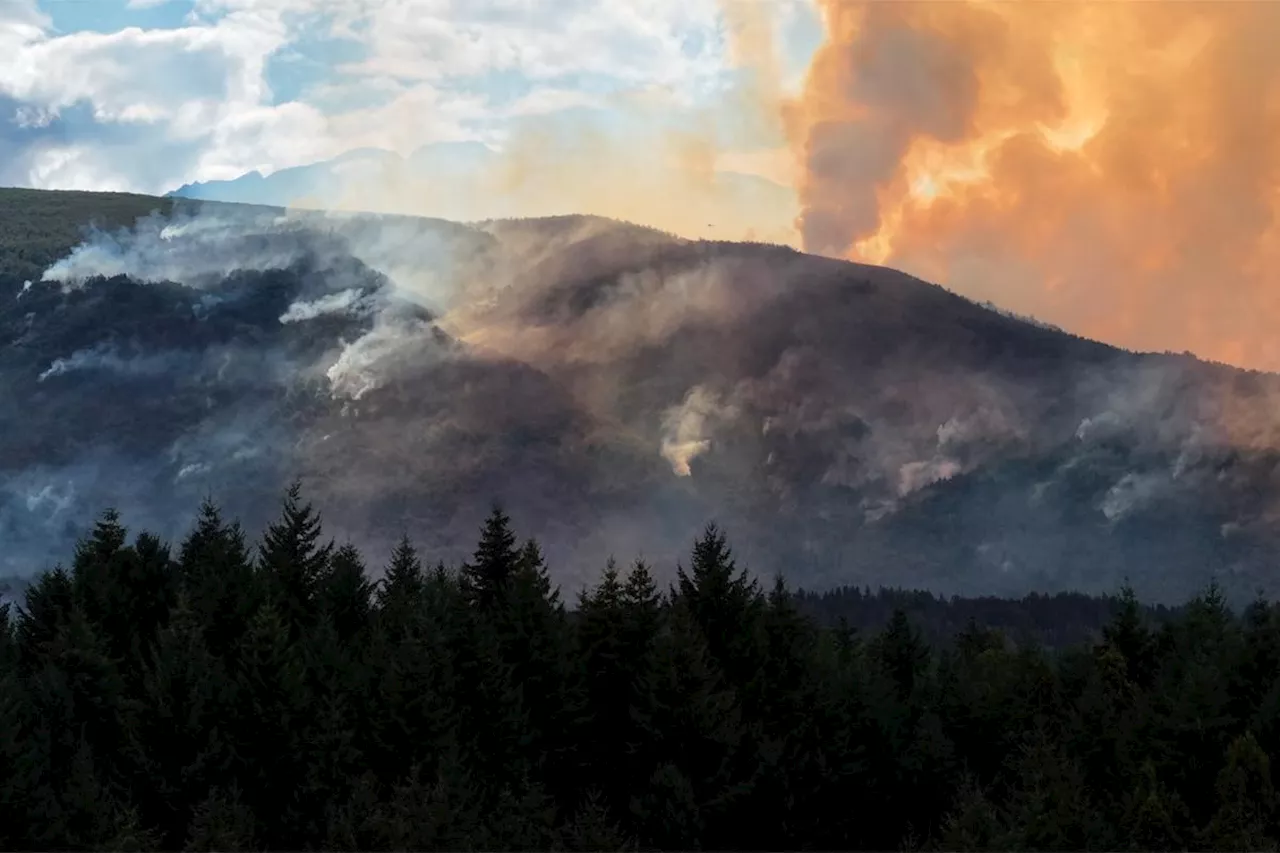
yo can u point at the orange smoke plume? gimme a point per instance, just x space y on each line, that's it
1110 167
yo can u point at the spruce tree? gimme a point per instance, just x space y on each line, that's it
218 580
400 594
186 700
724 602
1246 799
487 576
292 560
48 606
345 594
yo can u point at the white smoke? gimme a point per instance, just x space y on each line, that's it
687 427
395 345
333 303
189 249
1133 491
419 258
914 476
105 357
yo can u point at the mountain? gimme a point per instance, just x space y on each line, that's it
321 182
470 181
615 388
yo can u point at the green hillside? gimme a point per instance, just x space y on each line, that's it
38 226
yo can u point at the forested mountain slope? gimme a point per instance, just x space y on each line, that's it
614 388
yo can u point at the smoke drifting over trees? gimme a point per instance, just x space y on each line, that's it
614 387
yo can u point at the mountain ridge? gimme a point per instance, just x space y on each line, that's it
616 387
456 180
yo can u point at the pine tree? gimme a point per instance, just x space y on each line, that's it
269 725
186 699
1154 817
77 740
413 674
332 737
443 810
643 603
536 644
1246 799
973 822
48 605
218 580
221 822
902 653
13 710
345 594
725 604
400 595
292 560
1129 636
486 578
593 828
125 591
617 679
696 726
8 643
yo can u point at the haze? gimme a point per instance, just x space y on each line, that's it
1107 167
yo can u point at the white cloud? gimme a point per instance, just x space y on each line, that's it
640 42
147 110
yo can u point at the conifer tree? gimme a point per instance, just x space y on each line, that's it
218 580
221 822
292 560
1129 636
486 577
724 603
1154 818
270 721
49 602
400 594
902 653
186 697
12 710
345 594
1246 799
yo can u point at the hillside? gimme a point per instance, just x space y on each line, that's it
615 388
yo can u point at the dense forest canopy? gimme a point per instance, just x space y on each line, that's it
229 695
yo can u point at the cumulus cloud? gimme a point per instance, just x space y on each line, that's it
149 109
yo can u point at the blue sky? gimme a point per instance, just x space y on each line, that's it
145 95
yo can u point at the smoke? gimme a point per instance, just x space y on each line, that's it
333 303
106 357
703 159
397 344
190 249
688 427
1108 167
615 387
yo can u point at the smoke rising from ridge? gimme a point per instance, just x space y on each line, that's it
706 159
1110 167
616 387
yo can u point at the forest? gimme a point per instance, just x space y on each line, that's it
230 694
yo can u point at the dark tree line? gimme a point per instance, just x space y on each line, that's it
1054 621
235 697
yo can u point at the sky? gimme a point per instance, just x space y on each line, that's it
1109 167
147 95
